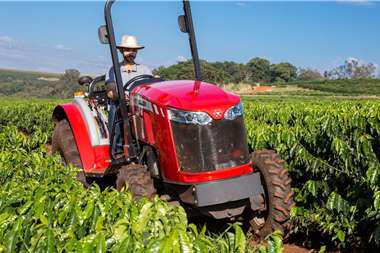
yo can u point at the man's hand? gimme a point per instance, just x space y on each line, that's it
112 91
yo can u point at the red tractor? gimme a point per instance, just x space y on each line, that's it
184 140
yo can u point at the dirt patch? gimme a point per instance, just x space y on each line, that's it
49 148
263 88
292 248
49 79
248 89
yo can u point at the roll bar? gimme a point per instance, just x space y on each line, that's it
193 43
128 150
107 35
188 28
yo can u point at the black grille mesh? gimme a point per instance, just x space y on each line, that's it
218 145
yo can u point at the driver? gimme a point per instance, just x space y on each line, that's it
129 69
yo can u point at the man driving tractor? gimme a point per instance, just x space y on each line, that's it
184 140
129 69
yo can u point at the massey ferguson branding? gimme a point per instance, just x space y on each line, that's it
217 114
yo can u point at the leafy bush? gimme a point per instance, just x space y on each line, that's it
44 209
333 153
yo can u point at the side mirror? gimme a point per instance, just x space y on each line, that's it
103 35
182 24
85 80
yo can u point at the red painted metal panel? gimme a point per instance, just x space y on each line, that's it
168 159
94 159
185 95
102 158
148 128
164 145
189 96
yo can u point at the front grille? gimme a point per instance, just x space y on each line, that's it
218 145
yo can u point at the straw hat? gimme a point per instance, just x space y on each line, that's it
128 41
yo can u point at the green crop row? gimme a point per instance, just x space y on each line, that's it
44 209
332 152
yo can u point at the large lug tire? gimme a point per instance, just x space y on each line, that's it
63 142
138 179
278 194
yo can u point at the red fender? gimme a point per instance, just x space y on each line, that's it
95 159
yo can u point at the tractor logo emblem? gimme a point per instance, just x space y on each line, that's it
217 114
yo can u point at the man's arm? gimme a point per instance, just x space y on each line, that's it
111 84
110 75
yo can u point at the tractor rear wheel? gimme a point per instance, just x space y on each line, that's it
63 142
278 194
138 179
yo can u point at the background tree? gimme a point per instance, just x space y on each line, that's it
185 71
245 73
260 70
309 75
70 76
352 69
67 84
283 72
237 72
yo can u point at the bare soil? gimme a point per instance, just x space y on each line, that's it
292 248
48 148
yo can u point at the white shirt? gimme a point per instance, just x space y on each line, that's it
137 70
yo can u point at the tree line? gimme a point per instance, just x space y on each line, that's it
255 71
262 71
34 84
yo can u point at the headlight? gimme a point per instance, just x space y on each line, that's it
234 112
200 118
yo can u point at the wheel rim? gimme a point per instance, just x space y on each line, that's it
259 218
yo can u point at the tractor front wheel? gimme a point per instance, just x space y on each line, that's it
63 142
138 179
278 199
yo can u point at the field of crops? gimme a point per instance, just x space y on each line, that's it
332 152
44 209
344 87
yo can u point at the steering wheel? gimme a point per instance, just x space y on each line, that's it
129 85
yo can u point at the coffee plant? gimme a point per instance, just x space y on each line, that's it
44 209
332 152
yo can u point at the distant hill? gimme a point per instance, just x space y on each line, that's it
37 84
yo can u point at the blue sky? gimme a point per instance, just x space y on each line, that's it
53 36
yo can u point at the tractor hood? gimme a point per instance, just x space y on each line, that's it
189 96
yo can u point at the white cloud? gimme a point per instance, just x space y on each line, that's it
359 61
241 4
352 59
181 58
17 54
61 47
356 2
6 41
